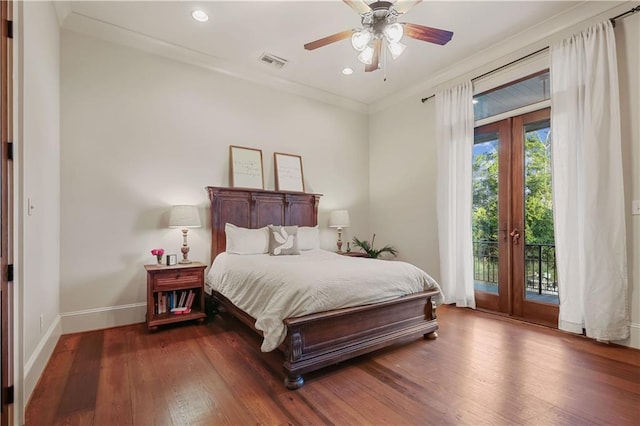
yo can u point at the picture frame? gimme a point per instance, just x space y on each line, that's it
172 259
246 167
289 173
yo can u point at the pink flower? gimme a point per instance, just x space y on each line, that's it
157 252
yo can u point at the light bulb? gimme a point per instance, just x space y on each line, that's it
393 32
366 56
396 49
360 39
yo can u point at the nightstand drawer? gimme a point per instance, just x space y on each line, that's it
175 279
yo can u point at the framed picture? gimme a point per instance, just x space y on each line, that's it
172 259
246 167
289 175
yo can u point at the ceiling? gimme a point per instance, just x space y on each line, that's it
239 32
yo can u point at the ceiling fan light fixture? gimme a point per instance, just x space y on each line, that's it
393 32
379 26
366 56
396 49
360 39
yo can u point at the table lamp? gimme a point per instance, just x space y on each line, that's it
339 219
184 217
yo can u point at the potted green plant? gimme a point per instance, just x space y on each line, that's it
372 252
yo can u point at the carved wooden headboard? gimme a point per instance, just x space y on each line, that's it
255 208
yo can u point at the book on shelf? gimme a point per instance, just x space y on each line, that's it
174 301
190 298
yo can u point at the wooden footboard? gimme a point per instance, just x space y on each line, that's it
318 340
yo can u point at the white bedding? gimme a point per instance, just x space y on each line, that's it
272 288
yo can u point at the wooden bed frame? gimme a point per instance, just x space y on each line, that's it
317 340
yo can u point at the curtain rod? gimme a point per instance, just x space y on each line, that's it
624 15
499 68
613 22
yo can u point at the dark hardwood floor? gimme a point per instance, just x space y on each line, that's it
483 369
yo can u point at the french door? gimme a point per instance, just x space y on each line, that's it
513 242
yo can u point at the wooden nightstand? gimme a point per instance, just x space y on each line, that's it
166 283
354 254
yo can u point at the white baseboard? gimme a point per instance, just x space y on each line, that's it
99 318
36 363
73 322
634 337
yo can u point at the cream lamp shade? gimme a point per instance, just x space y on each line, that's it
339 219
184 217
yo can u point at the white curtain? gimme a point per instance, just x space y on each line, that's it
454 133
587 185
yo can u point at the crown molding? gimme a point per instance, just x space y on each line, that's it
123 36
510 49
63 9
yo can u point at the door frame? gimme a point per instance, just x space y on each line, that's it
511 299
6 293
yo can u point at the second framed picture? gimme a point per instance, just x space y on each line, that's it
289 175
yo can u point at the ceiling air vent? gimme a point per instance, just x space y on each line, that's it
273 60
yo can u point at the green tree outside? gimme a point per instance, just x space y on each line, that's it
538 196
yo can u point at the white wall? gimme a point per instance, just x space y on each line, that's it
37 171
142 132
403 164
402 175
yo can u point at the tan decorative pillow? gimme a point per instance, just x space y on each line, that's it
283 240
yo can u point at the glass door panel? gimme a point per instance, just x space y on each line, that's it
485 211
490 191
541 282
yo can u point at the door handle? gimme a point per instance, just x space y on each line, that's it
515 235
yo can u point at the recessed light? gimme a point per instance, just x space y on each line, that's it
200 15
347 71
474 101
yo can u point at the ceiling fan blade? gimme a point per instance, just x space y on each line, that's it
431 35
358 5
401 6
377 47
328 40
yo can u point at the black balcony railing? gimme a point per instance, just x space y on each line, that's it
540 266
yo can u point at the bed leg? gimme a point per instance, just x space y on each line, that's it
293 383
431 336
211 306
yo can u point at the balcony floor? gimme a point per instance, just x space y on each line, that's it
490 287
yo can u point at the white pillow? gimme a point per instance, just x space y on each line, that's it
308 237
245 240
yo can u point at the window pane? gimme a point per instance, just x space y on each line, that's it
517 95
540 250
485 211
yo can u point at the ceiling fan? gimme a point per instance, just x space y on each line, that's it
380 26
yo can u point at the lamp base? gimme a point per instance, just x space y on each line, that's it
185 249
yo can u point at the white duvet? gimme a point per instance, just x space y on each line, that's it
272 288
